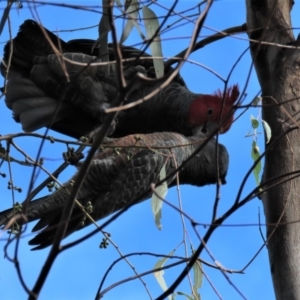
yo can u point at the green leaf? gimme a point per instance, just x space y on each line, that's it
257 100
255 155
133 14
160 274
254 122
184 294
268 131
198 277
6 14
156 202
104 29
119 3
151 26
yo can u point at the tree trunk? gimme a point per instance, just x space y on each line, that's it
278 71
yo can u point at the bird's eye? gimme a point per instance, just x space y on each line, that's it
210 111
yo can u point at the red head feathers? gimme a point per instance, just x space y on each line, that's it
217 108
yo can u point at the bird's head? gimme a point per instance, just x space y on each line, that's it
216 109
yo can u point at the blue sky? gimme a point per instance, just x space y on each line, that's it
77 272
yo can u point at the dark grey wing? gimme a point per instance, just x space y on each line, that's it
130 186
74 79
40 208
44 91
29 43
84 92
31 106
34 109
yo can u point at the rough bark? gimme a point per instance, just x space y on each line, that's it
278 72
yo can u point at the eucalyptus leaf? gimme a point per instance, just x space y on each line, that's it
184 294
159 275
198 278
156 202
133 14
256 100
268 131
151 26
104 28
254 122
255 153
5 14
119 3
